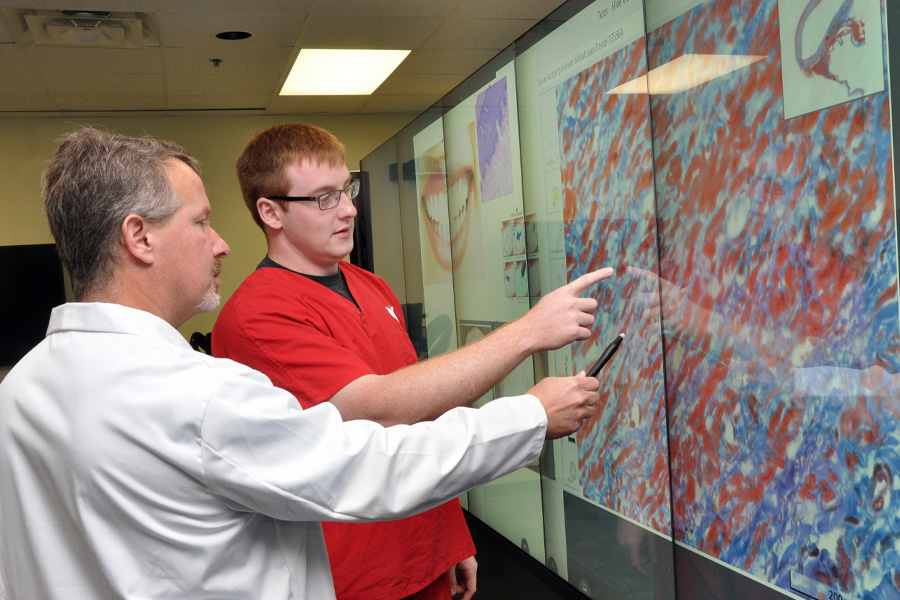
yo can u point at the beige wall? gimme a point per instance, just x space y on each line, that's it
26 143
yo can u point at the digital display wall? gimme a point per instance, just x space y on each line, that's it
778 262
732 160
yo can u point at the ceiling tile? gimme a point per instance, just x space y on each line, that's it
196 29
418 83
217 102
376 32
27 104
110 103
148 6
220 82
400 8
234 60
47 59
22 84
495 34
314 104
460 61
98 85
6 37
221 6
524 9
448 41
12 60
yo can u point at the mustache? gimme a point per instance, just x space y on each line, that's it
217 268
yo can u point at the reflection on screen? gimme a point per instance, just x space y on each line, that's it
734 164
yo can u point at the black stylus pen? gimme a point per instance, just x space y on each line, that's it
607 354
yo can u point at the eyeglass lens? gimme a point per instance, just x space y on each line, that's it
331 199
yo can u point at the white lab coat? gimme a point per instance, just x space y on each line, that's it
132 466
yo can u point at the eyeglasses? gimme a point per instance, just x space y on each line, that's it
328 200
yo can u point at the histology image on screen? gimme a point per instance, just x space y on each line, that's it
607 181
778 287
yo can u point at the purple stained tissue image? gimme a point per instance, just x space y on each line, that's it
494 148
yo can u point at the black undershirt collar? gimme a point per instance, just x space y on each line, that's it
336 282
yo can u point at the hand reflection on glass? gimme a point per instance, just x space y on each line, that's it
638 546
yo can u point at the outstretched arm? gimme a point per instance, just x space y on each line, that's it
428 389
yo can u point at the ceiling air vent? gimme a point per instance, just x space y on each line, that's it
83 28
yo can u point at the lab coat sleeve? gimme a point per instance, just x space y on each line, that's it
261 452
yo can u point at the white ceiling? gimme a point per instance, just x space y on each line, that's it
173 71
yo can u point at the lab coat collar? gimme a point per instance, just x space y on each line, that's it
104 317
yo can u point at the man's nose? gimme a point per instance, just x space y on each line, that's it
220 246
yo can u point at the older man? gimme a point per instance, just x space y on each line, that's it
134 467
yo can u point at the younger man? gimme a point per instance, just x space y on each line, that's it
328 331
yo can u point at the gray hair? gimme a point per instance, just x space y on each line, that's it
94 180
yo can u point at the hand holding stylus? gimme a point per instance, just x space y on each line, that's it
607 354
568 401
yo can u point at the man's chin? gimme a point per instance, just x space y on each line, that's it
210 302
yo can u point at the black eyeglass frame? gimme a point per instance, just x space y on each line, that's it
354 187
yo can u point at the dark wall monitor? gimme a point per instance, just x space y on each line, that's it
31 284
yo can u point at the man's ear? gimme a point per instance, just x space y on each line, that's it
136 237
270 213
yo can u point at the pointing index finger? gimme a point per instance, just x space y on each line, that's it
588 279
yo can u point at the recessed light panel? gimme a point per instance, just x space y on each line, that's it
318 72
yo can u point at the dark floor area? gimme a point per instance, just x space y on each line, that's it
505 572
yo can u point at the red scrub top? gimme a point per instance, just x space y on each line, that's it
312 342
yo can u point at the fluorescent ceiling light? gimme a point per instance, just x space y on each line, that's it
340 72
685 72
